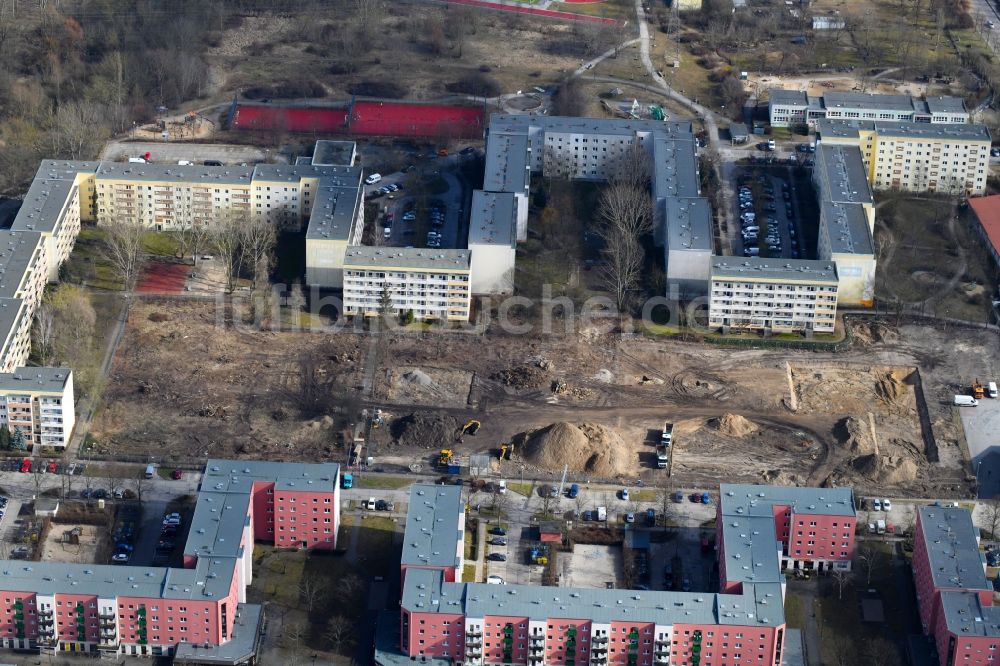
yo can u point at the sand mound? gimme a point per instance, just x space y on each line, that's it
430 431
891 470
889 386
735 425
418 377
588 448
855 434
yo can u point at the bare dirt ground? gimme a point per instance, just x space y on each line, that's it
187 387
58 548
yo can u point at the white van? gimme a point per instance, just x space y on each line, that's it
966 401
602 513
137 160
372 179
991 389
150 471
502 486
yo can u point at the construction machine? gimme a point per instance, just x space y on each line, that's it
472 427
506 451
444 457
978 392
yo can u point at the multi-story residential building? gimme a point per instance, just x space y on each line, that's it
434 284
946 559
593 149
917 157
796 107
493 229
39 403
434 537
773 295
15 333
198 612
846 221
763 530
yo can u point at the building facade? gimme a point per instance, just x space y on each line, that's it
39 404
443 621
917 157
796 107
433 284
955 598
773 295
151 611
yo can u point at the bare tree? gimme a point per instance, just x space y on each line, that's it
124 250
312 588
627 207
80 128
841 579
44 333
293 634
228 240
666 498
138 485
339 632
569 98
991 515
634 167
871 559
258 239
879 652
114 483
622 266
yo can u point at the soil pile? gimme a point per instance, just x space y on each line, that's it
890 470
855 434
429 431
735 425
520 377
589 448
418 377
889 386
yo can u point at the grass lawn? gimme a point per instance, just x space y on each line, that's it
161 244
659 330
644 495
383 482
520 488
469 573
87 264
794 611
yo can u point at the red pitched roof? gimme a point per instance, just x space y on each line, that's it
987 209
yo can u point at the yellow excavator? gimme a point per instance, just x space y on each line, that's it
506 451
470 428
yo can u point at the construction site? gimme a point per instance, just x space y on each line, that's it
878 416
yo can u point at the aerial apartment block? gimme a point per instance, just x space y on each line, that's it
198 612
39 404
431 283
846 221
762 531
773 295
953 593
796 107
917 157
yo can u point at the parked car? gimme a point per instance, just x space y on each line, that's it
629 517
624 494
886 505
497 557
176 474
26 465
498 531
498 541
876 504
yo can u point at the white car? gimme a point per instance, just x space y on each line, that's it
886 505
373 178
495 580
876 504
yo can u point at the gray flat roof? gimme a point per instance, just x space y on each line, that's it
194 173
845 179
850 128
244 641
493 220
788 97
746 499
500 122
432 534
675 167
689 223
847 228
755 268
335 209
965 615
507 162
35 379
17 248
342 176
857 100
333 153
945 104
952 548
424 591
47 194
751 548
11 310
409 257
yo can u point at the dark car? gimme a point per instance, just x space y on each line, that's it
587 516
380 505
498 541
651 517
695 497
497 557
176 474
100 493
166 544
213 163
499 531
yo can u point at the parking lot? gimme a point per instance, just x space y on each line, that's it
770 222
981 425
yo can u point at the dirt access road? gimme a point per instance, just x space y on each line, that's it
185 386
